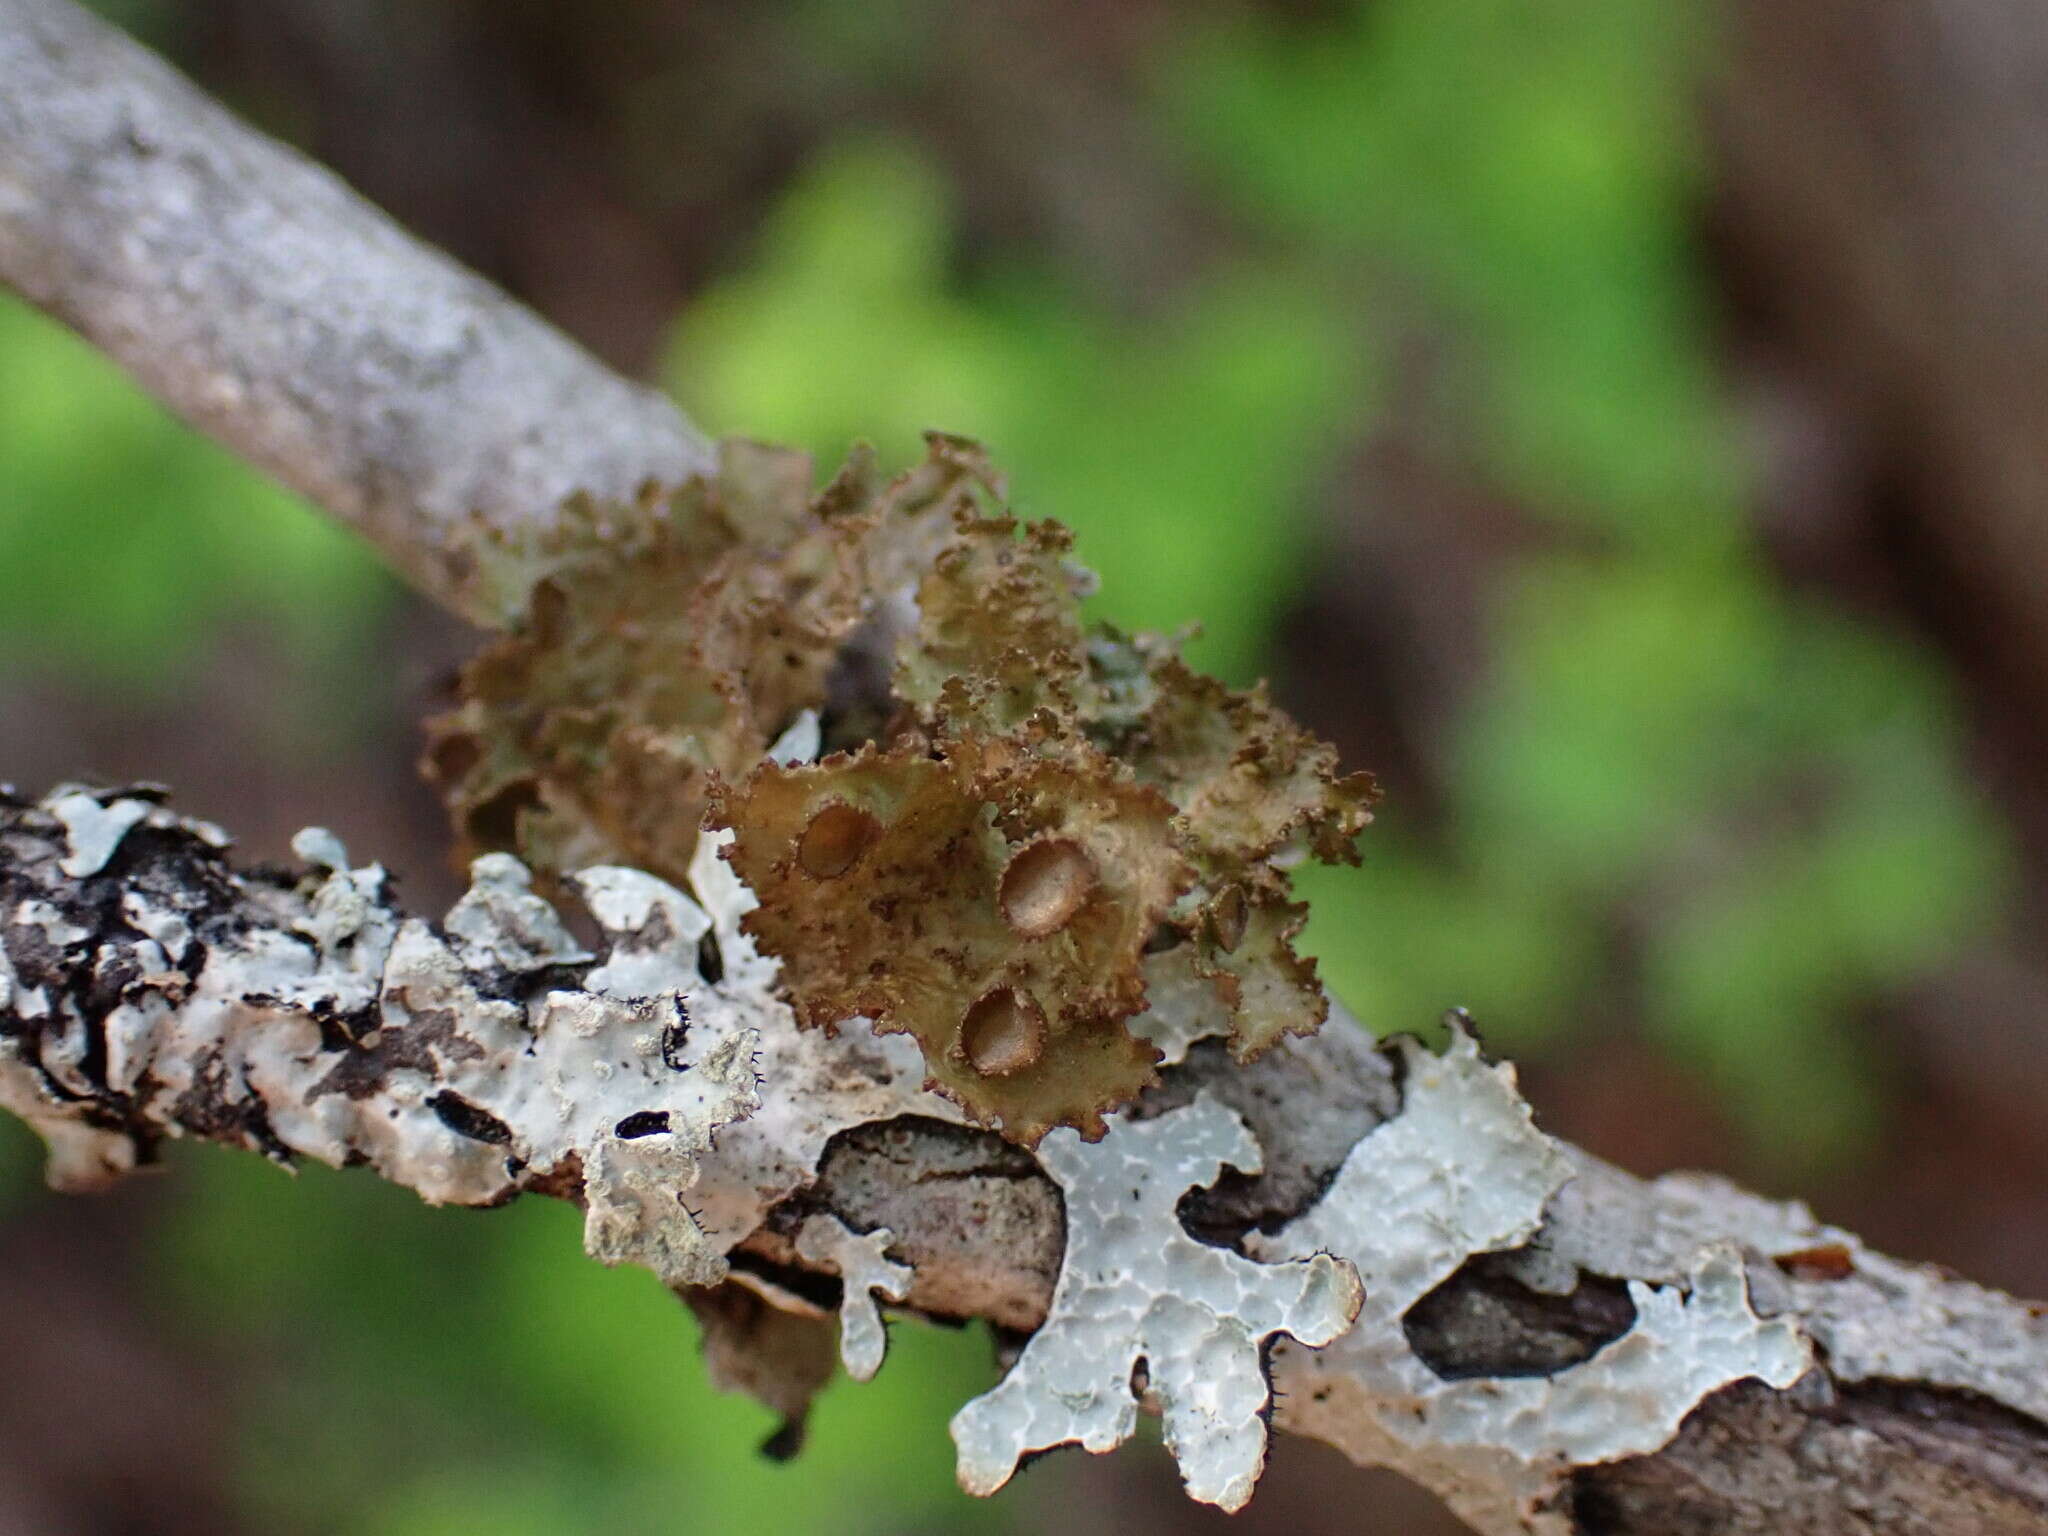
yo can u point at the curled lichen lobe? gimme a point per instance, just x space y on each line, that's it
1024 810
673 640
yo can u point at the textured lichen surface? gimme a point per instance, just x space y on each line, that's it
673 641
1462 1170
862 1262
1144 1311
1022 811
149 990
1877 1318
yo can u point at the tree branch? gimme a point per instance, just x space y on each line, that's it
147 990
1535 1324
275 310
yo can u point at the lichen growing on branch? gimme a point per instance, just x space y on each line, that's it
150 990
1463 1170
1020 811
1144 1311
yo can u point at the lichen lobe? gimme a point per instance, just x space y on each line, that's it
1021 807
305 1017
1462 1170
1139 1300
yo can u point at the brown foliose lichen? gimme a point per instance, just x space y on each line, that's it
1026 808
997 908
674 640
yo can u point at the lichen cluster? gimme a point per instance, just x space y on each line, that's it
1023 814
1145 1312
671 642
148 990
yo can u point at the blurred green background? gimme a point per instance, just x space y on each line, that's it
1413 347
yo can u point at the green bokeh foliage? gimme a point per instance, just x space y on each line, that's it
1749 804
129 546
475 1371
1684 795
1181 449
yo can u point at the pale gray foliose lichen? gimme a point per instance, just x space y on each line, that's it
1460 1171
1144 1311
862 1262
148 990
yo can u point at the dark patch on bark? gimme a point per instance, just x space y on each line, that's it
222 1108
1824 1261
1303 1153
710 960
341 1029
673 1037
1826 1459
471 1120
821 1290
1483 1321
563 1181
364 1068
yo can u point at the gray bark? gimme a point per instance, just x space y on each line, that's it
1905 1431
256 295
274 309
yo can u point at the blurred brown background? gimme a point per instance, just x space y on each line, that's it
1622 425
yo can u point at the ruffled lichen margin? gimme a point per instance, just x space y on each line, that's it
1023 821
149 989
